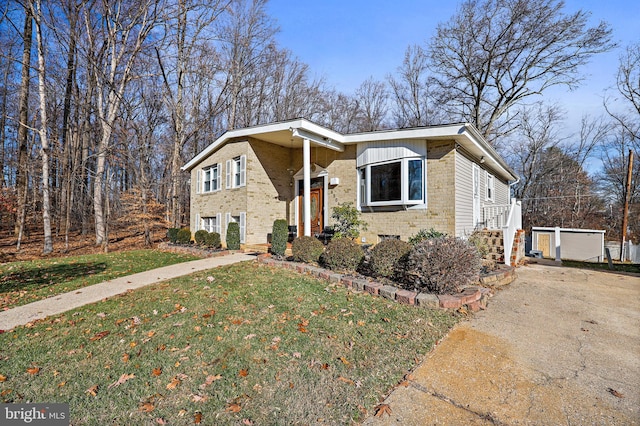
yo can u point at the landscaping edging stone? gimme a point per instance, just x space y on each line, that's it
472 298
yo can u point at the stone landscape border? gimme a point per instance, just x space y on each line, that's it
472 298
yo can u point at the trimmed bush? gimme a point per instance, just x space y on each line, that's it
386 255
184 236
342 254
172 235
200 236
233 236
279 237
307 249
212 240
441 265
425 234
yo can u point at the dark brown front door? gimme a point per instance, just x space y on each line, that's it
317 218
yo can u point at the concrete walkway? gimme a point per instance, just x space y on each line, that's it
54 305
559 346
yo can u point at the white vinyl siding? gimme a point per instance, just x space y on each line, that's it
464 196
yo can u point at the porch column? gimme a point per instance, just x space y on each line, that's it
306 167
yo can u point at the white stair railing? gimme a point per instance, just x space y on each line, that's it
495 216
514 222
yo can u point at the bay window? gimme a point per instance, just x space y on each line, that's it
393 183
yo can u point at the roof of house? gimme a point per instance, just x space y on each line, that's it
290 134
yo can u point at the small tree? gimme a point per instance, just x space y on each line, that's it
279 236
347 222
233 236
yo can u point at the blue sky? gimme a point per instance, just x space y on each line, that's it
348 41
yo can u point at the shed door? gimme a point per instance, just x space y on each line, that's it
544 244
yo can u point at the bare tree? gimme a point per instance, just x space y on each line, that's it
493 54
628 85
371 97
117 33
412 95
23 127
36 11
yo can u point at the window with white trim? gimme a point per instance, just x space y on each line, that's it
392 183
490 187
211 179
236 172
210 224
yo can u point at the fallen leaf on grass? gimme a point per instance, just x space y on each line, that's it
199 398
197 418
161 421
381 410
157 371
174 383
243 373
234 408
344 360
121 380
125 357
146 407
93 390
61 384
3 378
345 380
615 393
33 370
210 379
100 335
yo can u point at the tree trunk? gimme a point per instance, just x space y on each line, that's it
44 139
23 130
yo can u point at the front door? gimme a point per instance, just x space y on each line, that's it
317 207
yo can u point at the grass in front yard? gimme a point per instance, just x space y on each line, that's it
617 266
29 281
243 344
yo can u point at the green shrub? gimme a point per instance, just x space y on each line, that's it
386 255
347 222
441 265
200 236
480 243
172 235
342 254
425 234
212 240
233 236
307 249
184 236
279 237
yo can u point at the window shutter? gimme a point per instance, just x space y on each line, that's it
243 226
197 225
198 181
228 170
243 170
219 185
218 223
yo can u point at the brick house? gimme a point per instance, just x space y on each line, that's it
445 177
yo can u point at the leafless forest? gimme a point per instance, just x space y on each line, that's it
102 101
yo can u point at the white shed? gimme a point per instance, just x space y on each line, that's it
572 244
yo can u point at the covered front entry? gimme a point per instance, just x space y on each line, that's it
316 198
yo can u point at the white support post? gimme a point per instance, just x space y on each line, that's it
306 167
558 259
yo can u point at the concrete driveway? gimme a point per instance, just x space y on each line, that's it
559 346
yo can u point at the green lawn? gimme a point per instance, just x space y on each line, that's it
617 266
243 344
26 282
